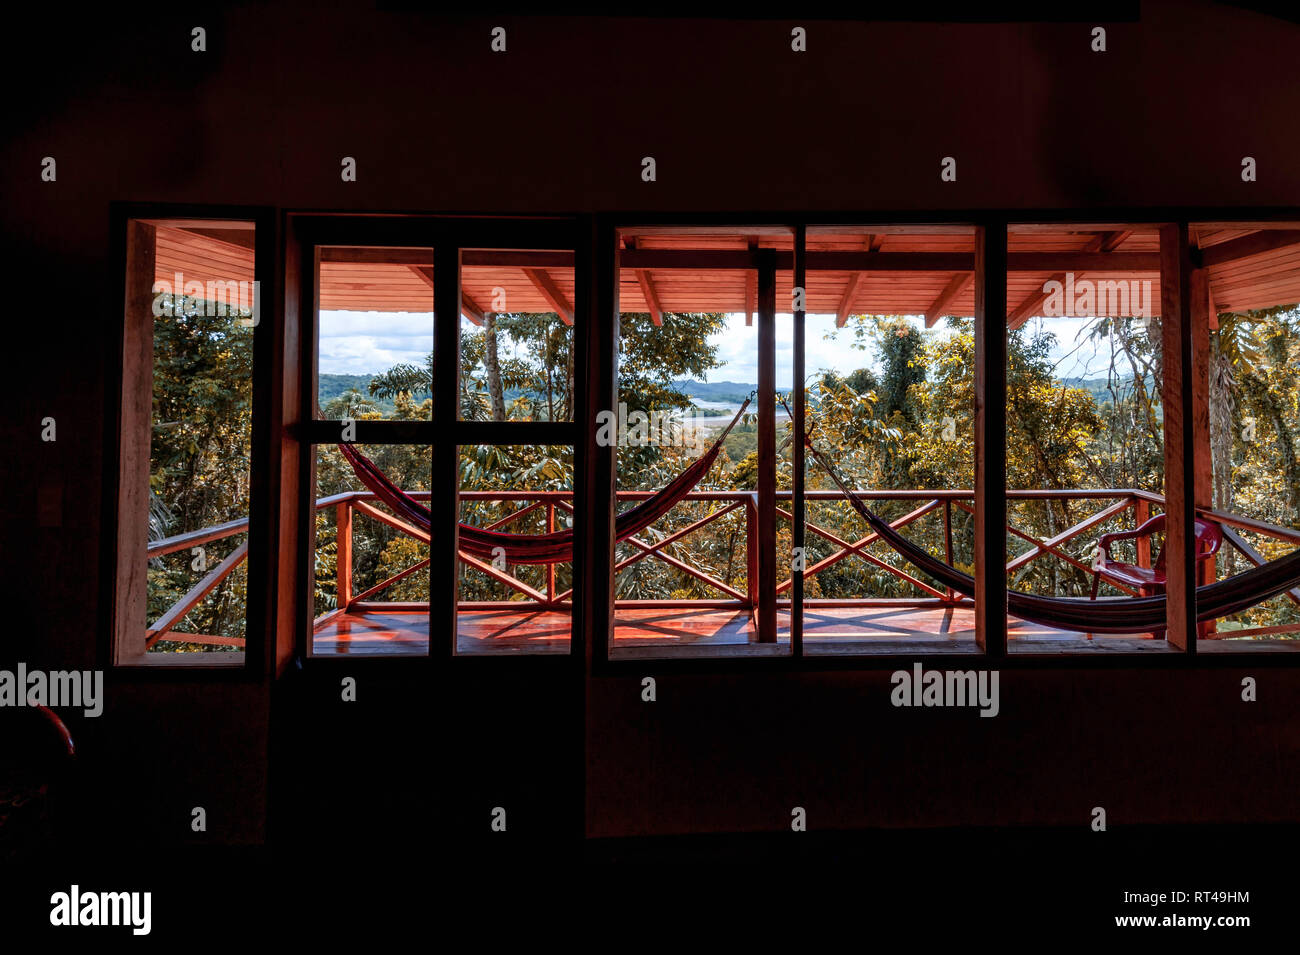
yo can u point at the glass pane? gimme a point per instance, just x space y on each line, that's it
891 398
374 342
515 584
1247 475
194 499
516 335
371 567
690 582
1085 420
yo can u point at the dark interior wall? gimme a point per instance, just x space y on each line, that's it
738 754
559 124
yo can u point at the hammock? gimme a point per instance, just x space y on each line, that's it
550 548
1107 615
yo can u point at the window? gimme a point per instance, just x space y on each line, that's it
889 375
375 374
443 450
1245 324
1085 418
192 311
702 443
517 401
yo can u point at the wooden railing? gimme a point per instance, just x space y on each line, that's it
349 504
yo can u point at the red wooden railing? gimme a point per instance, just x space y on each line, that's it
349 504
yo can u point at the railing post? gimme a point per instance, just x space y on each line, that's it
343 553
1141 513
751 550
550 568
947 539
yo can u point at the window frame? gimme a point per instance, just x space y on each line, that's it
447 236
279 615
261 562
992 226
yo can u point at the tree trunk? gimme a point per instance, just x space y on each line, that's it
493 368
1221 438
1221 417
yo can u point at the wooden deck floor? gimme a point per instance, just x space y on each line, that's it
645 632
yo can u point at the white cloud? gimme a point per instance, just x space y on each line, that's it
366 343
827 348
360 343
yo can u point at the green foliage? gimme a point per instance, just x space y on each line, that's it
199 455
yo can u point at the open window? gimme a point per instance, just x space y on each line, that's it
702 442
1086 444
192 310
1244 315
442 500
889 378
374 380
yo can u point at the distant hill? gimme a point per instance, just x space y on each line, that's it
1098 387
736 392
733 391
329 387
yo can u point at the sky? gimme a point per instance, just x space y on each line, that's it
363 343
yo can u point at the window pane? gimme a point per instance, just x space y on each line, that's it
891 401
1085 429
691 581
192 304
374 333
515 583
1246 305
516 335
371 567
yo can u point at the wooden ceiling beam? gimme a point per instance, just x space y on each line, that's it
846 300
1105 243
468 307
751 286
651 298
1265 240
373 255
956 285
471 310
543 282
470 258
721 260
832 261
870 243
647 287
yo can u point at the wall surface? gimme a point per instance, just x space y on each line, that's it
560 123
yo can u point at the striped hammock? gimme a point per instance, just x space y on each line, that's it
1106 615
551 548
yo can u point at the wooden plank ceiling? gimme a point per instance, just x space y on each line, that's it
1249 267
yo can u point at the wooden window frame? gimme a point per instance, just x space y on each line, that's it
992 227
447 236
284 432
127 435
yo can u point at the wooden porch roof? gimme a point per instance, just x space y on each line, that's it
908 270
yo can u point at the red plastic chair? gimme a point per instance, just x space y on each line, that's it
1148 581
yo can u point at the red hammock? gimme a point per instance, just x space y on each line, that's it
1108 615
551 548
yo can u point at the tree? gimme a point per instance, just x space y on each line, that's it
199 455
